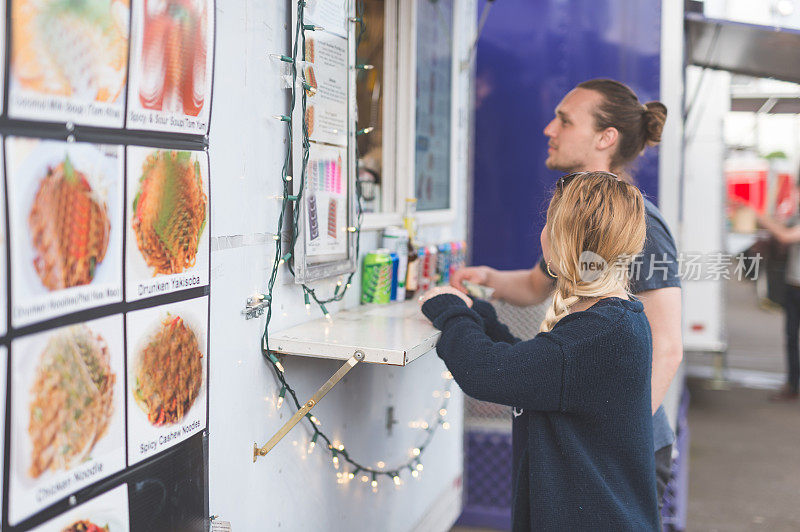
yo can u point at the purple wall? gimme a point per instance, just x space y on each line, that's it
531 53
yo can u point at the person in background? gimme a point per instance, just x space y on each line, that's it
601 126
581 387
789 235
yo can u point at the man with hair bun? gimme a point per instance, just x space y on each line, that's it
600 125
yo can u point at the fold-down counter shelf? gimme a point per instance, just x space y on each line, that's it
394 334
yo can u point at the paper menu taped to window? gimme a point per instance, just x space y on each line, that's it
325 70
326 200
330 14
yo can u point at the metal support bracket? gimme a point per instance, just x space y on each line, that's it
357 357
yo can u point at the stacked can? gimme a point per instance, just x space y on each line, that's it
422 285
428 276
459 259
395 240
376 278
443 263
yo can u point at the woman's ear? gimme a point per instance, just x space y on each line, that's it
608 138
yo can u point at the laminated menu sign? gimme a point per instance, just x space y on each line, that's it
105 513
325 69
326 201
330 14
168 245
67 412
167 375
65 215
69 61
171 63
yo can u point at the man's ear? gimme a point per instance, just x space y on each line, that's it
608 138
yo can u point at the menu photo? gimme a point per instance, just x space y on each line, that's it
168 244
167 376
67 412
65 203
172 51
105 513
69 61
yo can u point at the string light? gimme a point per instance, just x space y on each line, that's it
284 58
312 443
279 404
276 362
300 90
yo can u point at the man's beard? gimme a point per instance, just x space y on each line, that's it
553 165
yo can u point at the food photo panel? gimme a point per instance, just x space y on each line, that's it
105 513
67 412
167 375
168 244
65 203
69 61
172 50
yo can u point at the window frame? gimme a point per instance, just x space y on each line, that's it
399 112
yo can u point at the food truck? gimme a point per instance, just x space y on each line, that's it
199 195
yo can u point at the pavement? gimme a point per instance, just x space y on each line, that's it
745 451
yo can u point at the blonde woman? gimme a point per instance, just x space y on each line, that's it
583 429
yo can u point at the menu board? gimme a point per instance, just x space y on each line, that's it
171 62
328 197
104 262
69 61
65 226
326 201
106 513
325 70
166 222
167 369
67 412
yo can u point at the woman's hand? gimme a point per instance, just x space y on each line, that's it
439 290
474 274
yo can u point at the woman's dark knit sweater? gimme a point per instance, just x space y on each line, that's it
583 390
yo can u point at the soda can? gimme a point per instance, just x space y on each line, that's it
376 278
395 272
395 240
443 264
